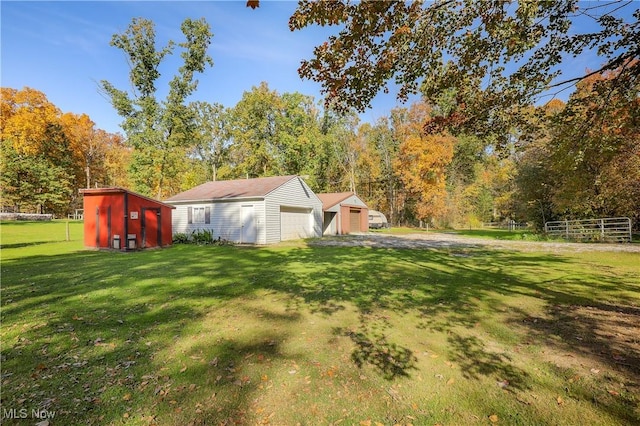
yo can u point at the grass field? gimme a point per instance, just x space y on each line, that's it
300 334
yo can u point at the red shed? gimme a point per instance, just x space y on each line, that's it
120 219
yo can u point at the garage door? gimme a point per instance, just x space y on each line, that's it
354 220
295 223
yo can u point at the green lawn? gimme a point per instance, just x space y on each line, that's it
297 334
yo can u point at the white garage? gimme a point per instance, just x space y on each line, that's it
254 211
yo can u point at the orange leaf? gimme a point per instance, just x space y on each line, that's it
127 397
253 3
493 418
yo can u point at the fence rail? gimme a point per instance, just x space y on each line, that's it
25 216
606 229
510 225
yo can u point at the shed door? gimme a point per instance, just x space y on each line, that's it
248 222
354 220
103 227
150 227
295 223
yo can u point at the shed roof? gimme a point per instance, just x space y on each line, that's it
330 199
240 188
118 190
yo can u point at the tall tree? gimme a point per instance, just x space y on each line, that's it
254 132
495 56
87 147
30 122
37 167
422 162
346 148
297 128
596 149
535 178
48 155
159 131
387 148
212 136
33 183
274 133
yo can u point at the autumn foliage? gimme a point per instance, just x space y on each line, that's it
47 155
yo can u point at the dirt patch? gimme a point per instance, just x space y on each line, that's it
606 335
444 240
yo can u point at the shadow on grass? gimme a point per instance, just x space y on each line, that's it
96 324
21 245
372 347
471 354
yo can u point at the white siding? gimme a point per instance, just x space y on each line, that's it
294 193
353 200
225 220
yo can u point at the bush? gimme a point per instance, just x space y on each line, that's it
200 237
180 238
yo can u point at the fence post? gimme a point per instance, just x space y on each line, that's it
602 228
566 229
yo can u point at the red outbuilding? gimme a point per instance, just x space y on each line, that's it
119 219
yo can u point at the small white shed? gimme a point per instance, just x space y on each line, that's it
254 211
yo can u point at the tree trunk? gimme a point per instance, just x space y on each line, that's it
87 171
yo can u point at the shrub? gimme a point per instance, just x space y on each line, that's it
200 237
180 238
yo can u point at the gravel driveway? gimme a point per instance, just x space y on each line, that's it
448 240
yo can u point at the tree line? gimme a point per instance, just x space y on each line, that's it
578 159
47 155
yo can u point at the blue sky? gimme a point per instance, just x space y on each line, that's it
62 49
